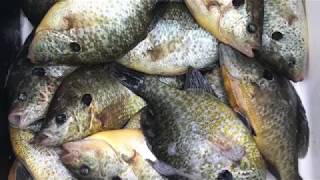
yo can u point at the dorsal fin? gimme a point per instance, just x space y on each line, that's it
303 131
195 81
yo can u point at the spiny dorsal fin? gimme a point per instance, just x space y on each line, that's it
195 81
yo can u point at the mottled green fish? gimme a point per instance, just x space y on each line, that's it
41 162
31 88
273 108
90 31
285 38
175 44
194 134
36 9
89 100
234 22
120 154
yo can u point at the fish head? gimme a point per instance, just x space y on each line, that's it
237 23
244 78
92 158
32 98
71 116
285 46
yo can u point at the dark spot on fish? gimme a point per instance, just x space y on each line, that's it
225 175
292 62
84 170
237 3
86 99
22 97
116 178
38 72
75 47
61 118
267 75
277 35
251 28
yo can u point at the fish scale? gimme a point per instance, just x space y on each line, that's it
105 23
273 108
198 126
289 54
176 43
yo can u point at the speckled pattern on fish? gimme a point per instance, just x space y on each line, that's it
90 31
176 43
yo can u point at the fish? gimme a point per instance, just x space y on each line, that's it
41 162
285 38
215 80
89 100
175 44
18 171
35 10
237 23
31 88
273 108
111 154
134 122
192 133
90 31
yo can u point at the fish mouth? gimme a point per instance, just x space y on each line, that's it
17 118
68 154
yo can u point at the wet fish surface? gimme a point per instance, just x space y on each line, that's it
175 44
110 154
285 38
234 22
30 89
194 133
41 162
273 108
90 31
83 106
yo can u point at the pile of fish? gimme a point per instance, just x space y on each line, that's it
151 89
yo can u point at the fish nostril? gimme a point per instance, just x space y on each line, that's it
237 3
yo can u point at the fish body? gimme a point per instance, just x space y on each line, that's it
134 122
234 22
35 10
41 162
18 171
285 38
273 108
117 153
193 133
90 31
175 44
88 101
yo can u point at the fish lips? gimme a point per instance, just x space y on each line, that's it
69 154
45 139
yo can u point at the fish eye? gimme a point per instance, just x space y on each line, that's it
116 178
277 35
251 28
84 170
86 99
225 175
237 3
61 118
267 75
38 72
22 97
75 47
